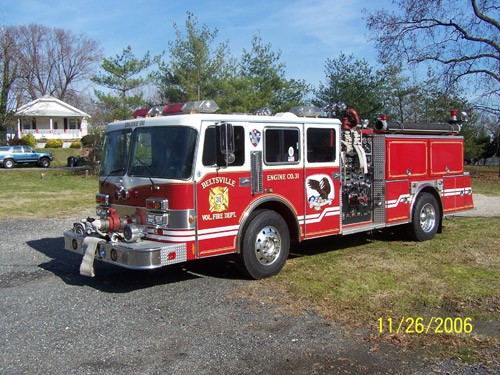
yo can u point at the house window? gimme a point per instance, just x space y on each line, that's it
74 123
28 123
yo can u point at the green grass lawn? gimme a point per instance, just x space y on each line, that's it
45 193
485 179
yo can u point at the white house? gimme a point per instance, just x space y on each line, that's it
50 118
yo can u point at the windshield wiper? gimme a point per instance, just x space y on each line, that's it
149 170
111 173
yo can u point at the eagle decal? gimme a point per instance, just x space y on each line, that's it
319 192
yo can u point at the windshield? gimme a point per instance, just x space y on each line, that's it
164 152
115 153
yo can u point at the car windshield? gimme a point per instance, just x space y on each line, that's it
115 153
163 152
4 148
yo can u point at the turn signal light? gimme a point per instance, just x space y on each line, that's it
157 204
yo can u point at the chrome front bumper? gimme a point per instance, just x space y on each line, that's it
143 254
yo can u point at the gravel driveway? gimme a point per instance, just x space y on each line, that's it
184 320
484 206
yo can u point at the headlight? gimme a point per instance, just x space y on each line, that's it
159 219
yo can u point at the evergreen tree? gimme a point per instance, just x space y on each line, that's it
355 83
264 73
195 69
124 76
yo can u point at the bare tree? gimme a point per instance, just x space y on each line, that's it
9 73
54 61
459 37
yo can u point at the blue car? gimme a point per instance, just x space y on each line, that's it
12 155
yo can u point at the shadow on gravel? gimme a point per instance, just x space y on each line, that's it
334 243
114 279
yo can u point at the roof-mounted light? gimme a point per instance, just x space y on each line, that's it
199 106
306 111
141 112
155 111
264 112
453 115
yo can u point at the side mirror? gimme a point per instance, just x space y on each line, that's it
227 142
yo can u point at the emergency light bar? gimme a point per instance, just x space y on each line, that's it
141 112
199 106
306 111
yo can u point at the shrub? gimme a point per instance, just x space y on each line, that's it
75 145
14 142
28 140
54 143
90 140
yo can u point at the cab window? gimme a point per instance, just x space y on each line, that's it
281 146
320 145
212 156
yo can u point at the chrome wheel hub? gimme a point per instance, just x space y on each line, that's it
427 217
267 245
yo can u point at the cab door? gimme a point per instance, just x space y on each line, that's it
222 188
322 181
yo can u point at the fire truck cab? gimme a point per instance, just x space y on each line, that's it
181 187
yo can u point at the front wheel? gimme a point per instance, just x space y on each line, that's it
266 243
44 162
426 217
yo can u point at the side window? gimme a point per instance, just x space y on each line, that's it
321 145
17 149
211 147
281 146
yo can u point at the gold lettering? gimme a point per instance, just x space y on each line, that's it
218 180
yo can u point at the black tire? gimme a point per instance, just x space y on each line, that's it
426 218
8 163
266 244
44 162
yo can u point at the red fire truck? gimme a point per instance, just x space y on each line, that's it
190 184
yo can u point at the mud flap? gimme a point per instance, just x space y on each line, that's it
89 247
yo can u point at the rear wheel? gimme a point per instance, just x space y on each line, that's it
266 243
8 163
426 217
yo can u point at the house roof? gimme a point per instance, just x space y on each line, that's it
49 106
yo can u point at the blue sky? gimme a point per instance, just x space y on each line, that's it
306 31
